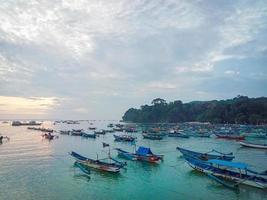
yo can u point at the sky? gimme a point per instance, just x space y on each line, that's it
93 59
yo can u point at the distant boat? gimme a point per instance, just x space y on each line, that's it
232 171
153 136
178 134
204 135
48 136
142 154
30 123
255 135
253 145
92 128
124 138
230 137
88 135
208 155
113 167
76 132
41 129
101 132
118 129
62 132
110 125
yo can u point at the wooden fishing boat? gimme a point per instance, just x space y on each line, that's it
253 145
208 155
255 135
113 167
88 135
118 129
62 132
142 154
202 135
101 132
41 129
178 134
124 138
49 136
230 137
231 171
152 136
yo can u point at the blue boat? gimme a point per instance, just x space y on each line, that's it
232 171
206 156
142 154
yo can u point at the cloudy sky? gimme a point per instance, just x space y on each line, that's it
92 59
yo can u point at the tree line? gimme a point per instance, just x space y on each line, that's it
239 110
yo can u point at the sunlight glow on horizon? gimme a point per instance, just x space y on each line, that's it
26 106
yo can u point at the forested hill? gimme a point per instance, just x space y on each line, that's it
241 110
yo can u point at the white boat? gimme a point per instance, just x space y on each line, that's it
253 145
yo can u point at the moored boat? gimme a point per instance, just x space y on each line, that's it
63 132
88 135
41 129
232 171
208 155
230 137
253 145
124 138
100 132
76 132
113 167
49 136
255 135
177 134
152 136
142 154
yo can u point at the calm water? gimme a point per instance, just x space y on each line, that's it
33 168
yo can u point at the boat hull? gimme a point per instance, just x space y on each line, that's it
255 146
230 137
132 156
205 156
96 164
201 166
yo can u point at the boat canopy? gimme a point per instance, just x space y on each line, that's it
238 165
143 151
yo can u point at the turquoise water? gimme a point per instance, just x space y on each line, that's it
33 168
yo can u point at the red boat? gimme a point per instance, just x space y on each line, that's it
231 137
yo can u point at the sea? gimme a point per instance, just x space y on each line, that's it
33 168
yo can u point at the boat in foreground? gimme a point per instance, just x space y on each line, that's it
232 171
206 156
113 167
253 145
142 154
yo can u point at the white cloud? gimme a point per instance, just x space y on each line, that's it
232 73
